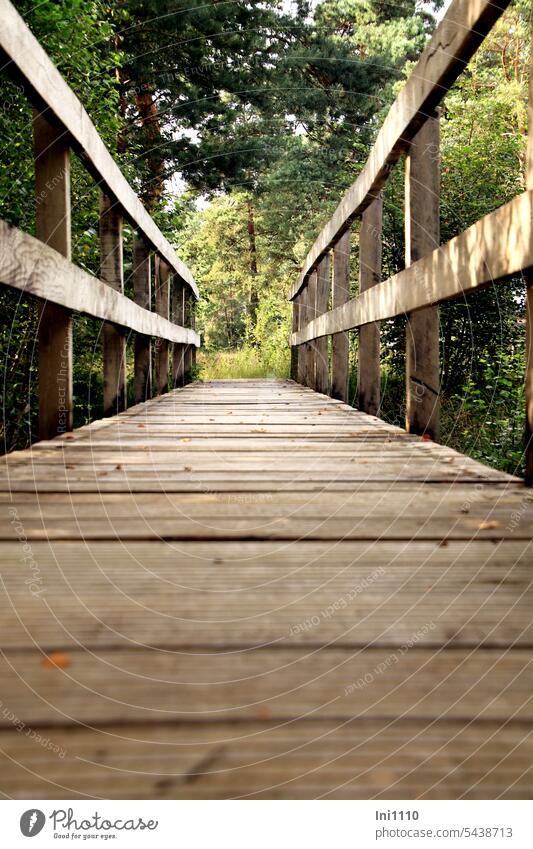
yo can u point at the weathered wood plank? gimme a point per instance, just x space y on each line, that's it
476 258
36 269
404 759
47 89
453 43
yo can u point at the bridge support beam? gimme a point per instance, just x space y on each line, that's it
422 235
323 289
114 338
52 226
368 361
162 293
142 286
340 347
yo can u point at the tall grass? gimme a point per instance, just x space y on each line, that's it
243 363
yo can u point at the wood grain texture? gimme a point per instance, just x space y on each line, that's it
454 42
248 589
368 360
47 89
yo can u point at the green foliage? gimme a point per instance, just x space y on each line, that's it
243 363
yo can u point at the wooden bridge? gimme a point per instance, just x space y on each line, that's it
249 588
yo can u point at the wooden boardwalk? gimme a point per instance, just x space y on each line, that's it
247 589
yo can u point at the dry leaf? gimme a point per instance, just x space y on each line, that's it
187 468
56 660
486 526
263 713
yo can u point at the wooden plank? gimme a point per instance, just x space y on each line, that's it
162 304
252 593
323 289
422 236
52 227
340 341
328 683
114 338
368 364
476 258
378 759
36 269
454 42
47 89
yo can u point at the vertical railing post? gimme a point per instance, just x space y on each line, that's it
193 327
422 235
142 296
310 356
187 355
295 348
340 295
323 287
177 318
52 226
368 361
162 306
302 349
114 338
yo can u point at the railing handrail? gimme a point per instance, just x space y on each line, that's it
454 42
49 92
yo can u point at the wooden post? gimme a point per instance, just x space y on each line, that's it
162 307
422 235
187 356
368 362
310 357
295 327
52 226
302 349
142 296
193 326
323 288
340 295
112 273
177 318
529 302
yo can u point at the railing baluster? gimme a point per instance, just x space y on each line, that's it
142 296
177 318
310 378
368 362
52 225
323 287
340 295
114 338
162 307
302 349
422 234
187 317
295 348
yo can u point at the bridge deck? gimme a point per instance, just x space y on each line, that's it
247 589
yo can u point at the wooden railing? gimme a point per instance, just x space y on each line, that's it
41 266
491 251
